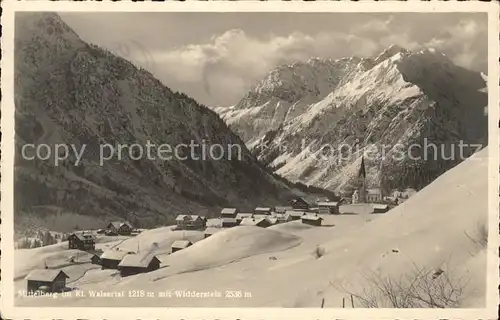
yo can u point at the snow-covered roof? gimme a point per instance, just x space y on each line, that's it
141 260
84 236
181 244
263 209
313 218
244 215
46 275
114 255
380 206
295 213
260 216
228 220
327 204
228 211
253 221
183 217
119 224
282 209
285 215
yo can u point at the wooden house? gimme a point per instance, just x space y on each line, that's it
257 222
380 208
135 263
180 244
329 207
229 222
111 258
262 210
190 222
211 231
229 213
47 280
295 215
312 220
96 259
123 228
299 204
84 241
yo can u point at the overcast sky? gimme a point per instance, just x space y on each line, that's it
217 57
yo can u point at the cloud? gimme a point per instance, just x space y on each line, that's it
233 61
464 43
220 70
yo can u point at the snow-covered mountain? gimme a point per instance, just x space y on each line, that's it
303 119
71 92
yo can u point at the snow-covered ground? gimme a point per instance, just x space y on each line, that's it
296 265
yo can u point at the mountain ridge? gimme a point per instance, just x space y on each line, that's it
422 90
71 92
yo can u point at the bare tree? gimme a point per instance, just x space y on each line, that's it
420 287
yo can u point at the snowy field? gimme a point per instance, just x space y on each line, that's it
292 264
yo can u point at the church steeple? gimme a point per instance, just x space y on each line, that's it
362 177
362 170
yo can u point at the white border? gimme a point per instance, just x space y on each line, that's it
7 125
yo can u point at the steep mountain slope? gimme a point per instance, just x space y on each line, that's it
70 92
381 105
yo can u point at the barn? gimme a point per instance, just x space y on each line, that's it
312 220
180 244
135 263
84 241
46 279
111 258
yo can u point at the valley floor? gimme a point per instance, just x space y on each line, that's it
293 264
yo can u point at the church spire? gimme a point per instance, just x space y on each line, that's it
362 170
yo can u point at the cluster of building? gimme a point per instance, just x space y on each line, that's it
130 263
265 217
85 240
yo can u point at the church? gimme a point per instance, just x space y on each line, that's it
362 194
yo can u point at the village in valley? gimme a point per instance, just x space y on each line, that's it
102 248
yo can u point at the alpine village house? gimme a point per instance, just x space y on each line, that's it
81 241
123 228
46 280
135 263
